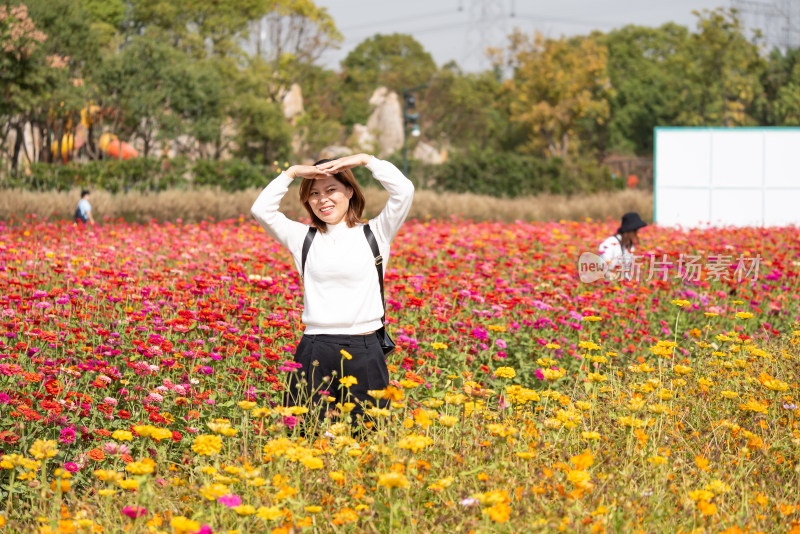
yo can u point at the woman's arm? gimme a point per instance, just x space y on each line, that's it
265 209
400 188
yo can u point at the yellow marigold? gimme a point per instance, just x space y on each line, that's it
158 434
580 479
128 484
378 412
42 449
212 492
490 498
583 405
344 516
707 508
553 374
207 445
502 430
589 345
433 403
145 467
717 486
592 318
312 463
107 492
754 406
393 480
122 435
414 442
552 346
597 377
183 525
499 512
143 430
107 475
657 408
505 372
348 381
681 303
744 315
313 509
439 346
526 455
701 495
776 385
244 509
448 420
682 370
261 412
631 422
246 405
590 435
337 476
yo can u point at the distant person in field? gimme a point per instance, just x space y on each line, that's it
342 291
618 249
83 213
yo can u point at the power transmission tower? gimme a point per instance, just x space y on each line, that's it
489 27
778 20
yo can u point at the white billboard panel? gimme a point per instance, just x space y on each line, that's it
727 176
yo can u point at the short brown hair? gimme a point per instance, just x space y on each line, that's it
357 202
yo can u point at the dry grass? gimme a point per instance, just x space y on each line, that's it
202 204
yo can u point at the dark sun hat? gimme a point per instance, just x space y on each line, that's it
630 222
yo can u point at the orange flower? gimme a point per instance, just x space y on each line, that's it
127 458
97 455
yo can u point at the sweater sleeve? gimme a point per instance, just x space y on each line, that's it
288 233
401 193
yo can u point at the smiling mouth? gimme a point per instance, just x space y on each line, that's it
326 210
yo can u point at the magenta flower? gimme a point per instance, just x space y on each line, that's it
67 435
230 500
71 467
134 511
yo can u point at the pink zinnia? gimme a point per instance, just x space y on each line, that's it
67 435
230 500
134 511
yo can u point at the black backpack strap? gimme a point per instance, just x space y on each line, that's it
376 253
312 232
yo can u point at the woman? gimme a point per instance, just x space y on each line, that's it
342 298
618 249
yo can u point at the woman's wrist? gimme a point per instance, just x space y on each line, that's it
291 172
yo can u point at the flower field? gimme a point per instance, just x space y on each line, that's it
141 370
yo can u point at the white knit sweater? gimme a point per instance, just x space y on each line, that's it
341 291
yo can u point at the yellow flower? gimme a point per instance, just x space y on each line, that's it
744 315
592 318
597 377
657 460
590 435
183 525
207 445
393 480
145 467
212 492
122 435
439 346
527 455
729 394
244 509
589 345
42 449
346 355
337 476
776 385
682 370
448 420
128 484
348 381
552 374
681 303
701 495
246 405
499 512
313 509
552 346
442 484
505 372
414 443
707 508
580 479
107 492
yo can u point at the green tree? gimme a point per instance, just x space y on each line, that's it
645 66
779 103
721 73
560 92
394 61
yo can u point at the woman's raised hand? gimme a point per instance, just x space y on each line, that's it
347 162
307 171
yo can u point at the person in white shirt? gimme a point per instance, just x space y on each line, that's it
83 213
618 249
343 306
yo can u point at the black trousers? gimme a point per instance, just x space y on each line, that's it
323 366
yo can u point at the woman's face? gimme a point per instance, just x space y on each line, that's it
329 199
